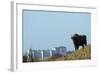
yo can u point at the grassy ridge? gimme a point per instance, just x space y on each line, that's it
83 53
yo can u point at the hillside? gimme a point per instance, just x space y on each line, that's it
81 54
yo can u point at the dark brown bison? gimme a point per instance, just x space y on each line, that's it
79 40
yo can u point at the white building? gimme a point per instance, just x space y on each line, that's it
29 55
40 54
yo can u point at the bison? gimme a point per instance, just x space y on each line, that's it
79 40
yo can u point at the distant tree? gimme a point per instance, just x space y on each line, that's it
24 58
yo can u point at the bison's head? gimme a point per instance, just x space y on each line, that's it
73 37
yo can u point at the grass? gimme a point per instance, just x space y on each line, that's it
83 53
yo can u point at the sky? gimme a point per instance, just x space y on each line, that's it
48 29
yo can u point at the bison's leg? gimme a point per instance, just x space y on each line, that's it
76 47
83 45
85 42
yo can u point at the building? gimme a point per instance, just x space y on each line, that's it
41 54
29 55
37 54
46 53
61 50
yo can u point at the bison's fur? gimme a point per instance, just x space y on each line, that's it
79 40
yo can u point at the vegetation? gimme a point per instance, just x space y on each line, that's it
83 53
24 58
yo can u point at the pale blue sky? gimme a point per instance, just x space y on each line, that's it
45 29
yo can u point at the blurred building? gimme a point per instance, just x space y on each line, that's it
37 54
29 55
61 50
40 54
46 53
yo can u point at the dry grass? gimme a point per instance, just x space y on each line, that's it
83 53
